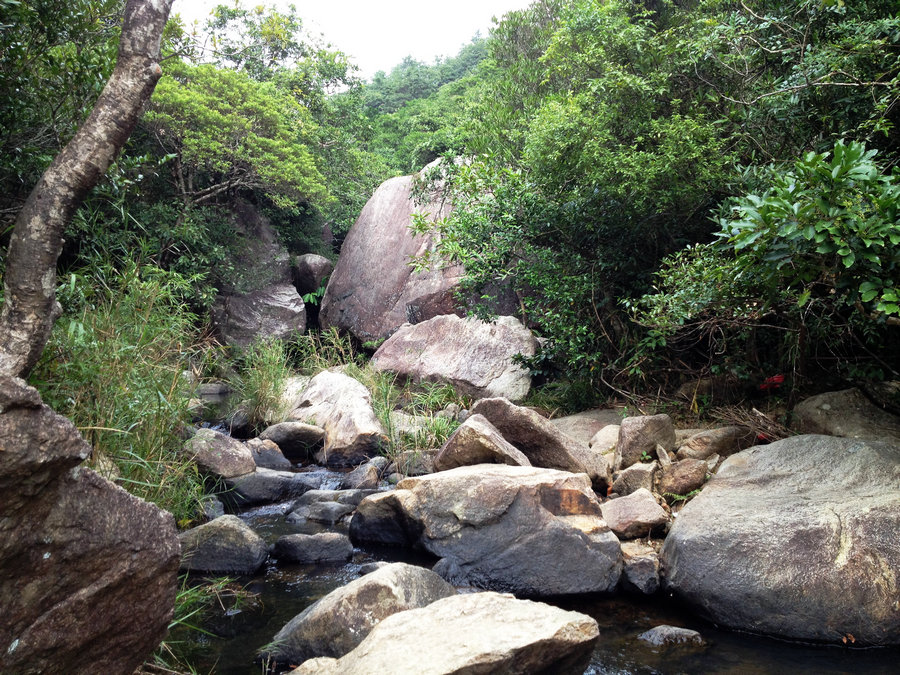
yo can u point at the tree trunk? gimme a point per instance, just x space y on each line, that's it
30 306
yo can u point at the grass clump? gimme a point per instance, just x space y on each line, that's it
114 365
262 370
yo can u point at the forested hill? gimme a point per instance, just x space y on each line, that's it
675 188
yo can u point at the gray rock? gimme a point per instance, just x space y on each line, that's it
639 436
605 440
542 443
337 623
500 527
682 478
352 497
225 545
476 357
266 486
635 477
847 413
634 515
328 513
326 547
363 477
641 573
796 539
218 455
309 271
88 572
413 463
297 441
276 311
665 636
477 441
343 407
472 633
267 455
724 442
585 425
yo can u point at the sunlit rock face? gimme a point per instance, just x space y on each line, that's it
796 539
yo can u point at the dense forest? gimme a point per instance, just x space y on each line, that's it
676 189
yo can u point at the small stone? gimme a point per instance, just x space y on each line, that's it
634 515
314 548
664 636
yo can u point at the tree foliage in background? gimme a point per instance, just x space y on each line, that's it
603 137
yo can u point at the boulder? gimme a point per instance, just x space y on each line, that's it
327 513
604 441
477 441
225 545
471 633
363 477
338 622
641 573
639 436
413 463
343 408
267 486
847 413
273 312
635 515
474 356
635 477
309 272
500 527
374 289
666 636
724 442
267 455
352 497
325 547
796 539
297 441
585 425
88 572
682 478
541 442
218 455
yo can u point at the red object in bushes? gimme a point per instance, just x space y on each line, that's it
773 382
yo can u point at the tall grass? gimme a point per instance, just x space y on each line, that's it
262 370
114 365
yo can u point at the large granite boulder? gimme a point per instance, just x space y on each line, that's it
88 572
474 356
268 486
276 311
342 406
796 539
469 634
218 455
297 441
374 289
724 441
542 443
338 622
226 545
501 528
846 413
477 441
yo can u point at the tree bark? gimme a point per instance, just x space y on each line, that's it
30 306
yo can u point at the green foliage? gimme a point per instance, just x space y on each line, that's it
262 370
228 131
55 58
113 366
319 350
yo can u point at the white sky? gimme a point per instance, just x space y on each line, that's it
378 34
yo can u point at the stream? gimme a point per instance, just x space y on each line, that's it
284 590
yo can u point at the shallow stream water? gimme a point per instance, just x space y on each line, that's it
284 590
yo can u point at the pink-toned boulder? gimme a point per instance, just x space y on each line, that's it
477 441
474 356
373 289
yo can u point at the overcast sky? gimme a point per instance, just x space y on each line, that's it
379 33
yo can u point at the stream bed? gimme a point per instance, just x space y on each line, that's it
284 590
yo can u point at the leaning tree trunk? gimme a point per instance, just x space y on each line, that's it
30 306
